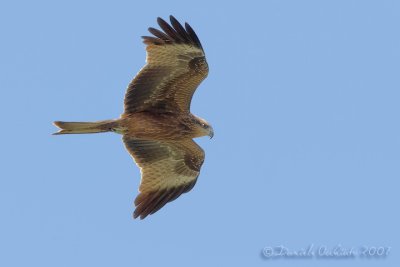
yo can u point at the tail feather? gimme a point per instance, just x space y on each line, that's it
84 127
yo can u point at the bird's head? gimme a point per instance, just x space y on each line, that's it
204 128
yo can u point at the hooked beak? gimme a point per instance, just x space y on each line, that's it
211 133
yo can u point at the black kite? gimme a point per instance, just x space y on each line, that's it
157 125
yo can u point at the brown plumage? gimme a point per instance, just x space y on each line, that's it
157 125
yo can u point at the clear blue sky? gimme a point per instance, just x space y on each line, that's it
304 100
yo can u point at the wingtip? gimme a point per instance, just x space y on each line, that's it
172 33
136 215
171 18
160 19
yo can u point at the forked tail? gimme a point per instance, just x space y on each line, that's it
85 127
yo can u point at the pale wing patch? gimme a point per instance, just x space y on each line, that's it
165 173
177 55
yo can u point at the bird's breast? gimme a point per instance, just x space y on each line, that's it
161 126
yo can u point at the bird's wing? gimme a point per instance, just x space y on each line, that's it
176 65
168 170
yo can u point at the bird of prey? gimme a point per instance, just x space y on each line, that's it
157 126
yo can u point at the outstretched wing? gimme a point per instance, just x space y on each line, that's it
168 169
176 65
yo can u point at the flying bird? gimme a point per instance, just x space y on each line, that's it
157 126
